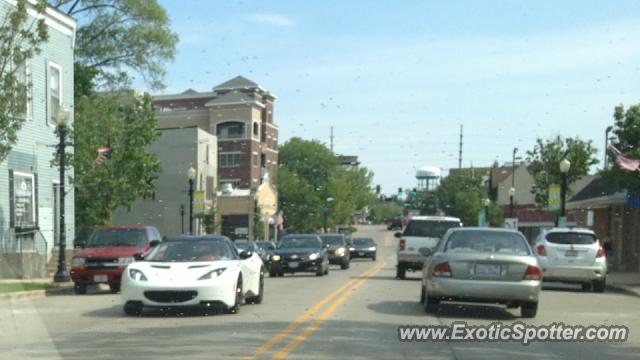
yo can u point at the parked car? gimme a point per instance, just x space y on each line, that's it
192 270
338 249
572 255
485 265
394 224
363 247
266 251
300 253
107 252
421 232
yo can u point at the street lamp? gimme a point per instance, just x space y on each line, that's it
606 146
512 193
326 212
486 203
564 169
191 175
61 118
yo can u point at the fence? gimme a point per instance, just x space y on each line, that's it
23 254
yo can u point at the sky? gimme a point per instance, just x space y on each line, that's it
397 79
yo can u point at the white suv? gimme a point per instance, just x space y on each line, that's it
572 255
421 232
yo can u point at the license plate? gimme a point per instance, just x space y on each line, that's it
361 253
571 253
293 265
487 270
100 278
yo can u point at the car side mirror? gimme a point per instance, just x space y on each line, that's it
426 251
154 243
398 234
245 255
138 256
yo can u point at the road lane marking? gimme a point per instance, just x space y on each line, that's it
315 324
277 338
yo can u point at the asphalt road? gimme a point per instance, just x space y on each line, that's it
351 313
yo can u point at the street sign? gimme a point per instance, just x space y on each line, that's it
511 223
554 197
198 203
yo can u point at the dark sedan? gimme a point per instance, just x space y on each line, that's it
299 253
337 248
266 251
363 248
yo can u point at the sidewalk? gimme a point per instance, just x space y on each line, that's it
627 282
55 289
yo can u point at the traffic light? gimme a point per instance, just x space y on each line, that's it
414 192
377 189
399 191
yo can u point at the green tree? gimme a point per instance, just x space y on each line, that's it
20 38
627 131
126 123
299 201
462 195
545 160
383 212
116 38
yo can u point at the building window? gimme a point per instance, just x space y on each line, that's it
206 159
230 130
55 90
23 199
228 160
256 129
24 78
263 160
254 159
211 187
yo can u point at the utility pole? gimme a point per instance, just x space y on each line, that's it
331 139
460 152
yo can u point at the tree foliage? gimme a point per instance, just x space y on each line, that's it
627 131
126 123
545 160
116 38
308 176
383 212
20 39
462 195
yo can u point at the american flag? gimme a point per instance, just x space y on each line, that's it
624 162
103 154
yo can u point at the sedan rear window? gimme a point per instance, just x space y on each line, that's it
118 237
571 238
487 242
429 228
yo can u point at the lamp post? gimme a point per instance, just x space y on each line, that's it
512 193
606 146
486 203
326 212
61 118
191 175
564 169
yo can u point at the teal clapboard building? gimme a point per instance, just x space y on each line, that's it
29 190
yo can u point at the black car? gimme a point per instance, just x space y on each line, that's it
394 224
337 248
363 247
299 253
266 250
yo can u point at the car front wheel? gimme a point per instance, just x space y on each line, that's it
401 272
133 308
238 299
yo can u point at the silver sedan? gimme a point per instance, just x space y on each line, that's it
487 265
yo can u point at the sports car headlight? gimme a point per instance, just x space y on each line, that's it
136 274
373 248
275 257
313 256
340 251
78 262
125 261
210 274
351 249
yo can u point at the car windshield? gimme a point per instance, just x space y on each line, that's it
571 238
299 243
118 237
498 242
332 240
363 241
191 251
243 245
429 228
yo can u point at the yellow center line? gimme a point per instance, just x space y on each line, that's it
304 317
315 324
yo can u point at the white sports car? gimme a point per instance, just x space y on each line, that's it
193 271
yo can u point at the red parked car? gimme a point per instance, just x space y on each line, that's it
107 253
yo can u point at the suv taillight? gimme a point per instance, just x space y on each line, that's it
532 273
442 270
541 250
401 244
601 252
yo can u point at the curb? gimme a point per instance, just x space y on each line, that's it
623 289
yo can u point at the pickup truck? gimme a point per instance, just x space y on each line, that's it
420 232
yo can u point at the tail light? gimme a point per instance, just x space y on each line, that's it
601 252
533 273
541 250
442 270
402 244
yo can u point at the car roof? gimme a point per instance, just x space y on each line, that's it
570 230
487 229
300 236
123 227
331 234
197 238
434 218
